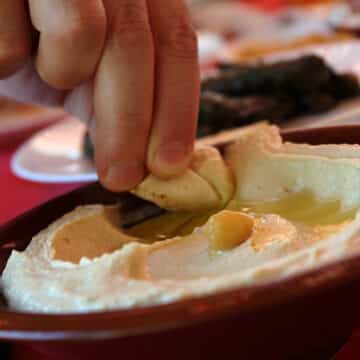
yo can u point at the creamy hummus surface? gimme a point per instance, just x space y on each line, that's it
263 211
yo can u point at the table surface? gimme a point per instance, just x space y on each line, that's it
19 195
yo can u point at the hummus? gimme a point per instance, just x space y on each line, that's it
263 211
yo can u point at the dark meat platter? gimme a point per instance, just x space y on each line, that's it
237 95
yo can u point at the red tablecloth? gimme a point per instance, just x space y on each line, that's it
17 195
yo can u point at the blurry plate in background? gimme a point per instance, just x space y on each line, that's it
241 21
54 155
210 44
347 113
336 49
342 57
250 50
344 18
231 17
18 119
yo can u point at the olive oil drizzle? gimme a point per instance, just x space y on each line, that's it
303 207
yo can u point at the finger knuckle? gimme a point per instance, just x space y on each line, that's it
80 29
134 37
75 31
129 26
59 80
132 122
179 41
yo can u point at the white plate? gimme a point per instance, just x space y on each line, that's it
54 155
210 44
232 17
343 56
17 119
346 113
343 17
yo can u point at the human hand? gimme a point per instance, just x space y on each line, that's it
127 67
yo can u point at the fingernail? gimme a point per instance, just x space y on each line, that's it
123 176
172 157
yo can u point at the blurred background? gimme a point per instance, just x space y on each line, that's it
295 63
257 28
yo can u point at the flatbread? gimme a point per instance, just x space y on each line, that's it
206 184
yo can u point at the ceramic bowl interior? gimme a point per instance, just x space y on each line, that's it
337 278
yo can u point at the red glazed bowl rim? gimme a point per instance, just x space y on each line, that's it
248 299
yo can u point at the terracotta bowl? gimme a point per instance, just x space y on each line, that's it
282 319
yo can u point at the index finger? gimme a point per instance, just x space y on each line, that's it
123 95
177 88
